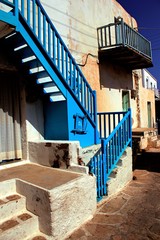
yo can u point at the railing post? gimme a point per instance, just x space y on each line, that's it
96 134
130 127
123 32
16 10
104 170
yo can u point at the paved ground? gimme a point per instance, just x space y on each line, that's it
132 214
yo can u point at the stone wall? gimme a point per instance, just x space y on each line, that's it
62 209
122 174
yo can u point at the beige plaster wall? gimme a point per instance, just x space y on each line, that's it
35 121
147 95
77 23
139 104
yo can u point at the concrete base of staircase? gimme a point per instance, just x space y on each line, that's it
122 174
58 154
57 201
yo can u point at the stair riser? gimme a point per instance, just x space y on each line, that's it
9 209
7 187
122 174
21 231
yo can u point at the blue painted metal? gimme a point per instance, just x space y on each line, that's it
80 124
8 18
112 148
97 167
120 34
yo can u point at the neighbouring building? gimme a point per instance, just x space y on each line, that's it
143 99
69 82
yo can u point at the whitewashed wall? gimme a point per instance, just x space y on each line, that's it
149 81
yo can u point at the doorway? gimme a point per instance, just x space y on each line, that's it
10 117
149 114
125 100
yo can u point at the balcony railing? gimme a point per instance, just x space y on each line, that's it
120 34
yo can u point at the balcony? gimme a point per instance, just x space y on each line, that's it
123 45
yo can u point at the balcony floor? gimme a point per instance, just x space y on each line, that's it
126 56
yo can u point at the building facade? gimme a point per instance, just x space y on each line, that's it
67 86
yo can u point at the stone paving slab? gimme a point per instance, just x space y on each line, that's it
132 214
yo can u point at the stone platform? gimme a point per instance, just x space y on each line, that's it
60 200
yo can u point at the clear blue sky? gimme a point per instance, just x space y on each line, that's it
147 15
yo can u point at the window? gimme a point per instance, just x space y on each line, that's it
147 82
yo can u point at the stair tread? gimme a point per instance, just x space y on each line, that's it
11 205
12 222
24 52
21 226
15 39
37 236
32 63
8 224
40 74
9 198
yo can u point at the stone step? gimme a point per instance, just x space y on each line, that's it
122 174
20 227
11 205
155 144
151 139
39 236
158 143
7 187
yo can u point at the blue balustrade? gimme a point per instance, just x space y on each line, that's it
116 135
107 121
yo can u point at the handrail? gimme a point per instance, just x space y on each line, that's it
34 15
120 34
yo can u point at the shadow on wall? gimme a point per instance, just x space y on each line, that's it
115 76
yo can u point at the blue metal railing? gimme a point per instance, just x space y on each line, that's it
34 15
112 148
97 166
107 121
120 34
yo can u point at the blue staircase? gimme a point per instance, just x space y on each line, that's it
39 52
